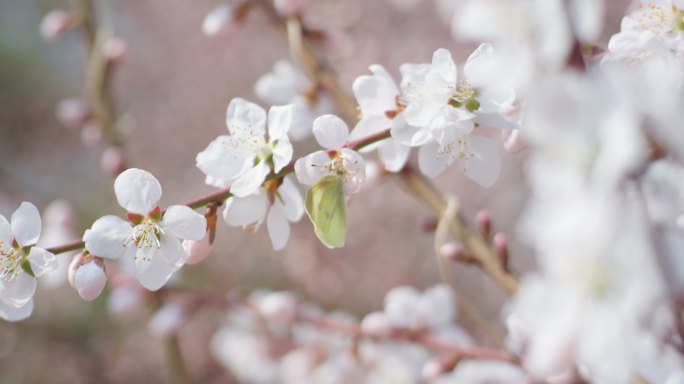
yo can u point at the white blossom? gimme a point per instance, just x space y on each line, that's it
151 240
21 262
243 159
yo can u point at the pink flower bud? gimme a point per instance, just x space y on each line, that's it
91 133
90 279
221 21
513 141
483 221
115 49
500 246
281 307
428 224
433 369
289 8
452 250
56 23
72 112
376 324
197 250
112 161
168 320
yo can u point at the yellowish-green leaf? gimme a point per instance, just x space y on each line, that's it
326 208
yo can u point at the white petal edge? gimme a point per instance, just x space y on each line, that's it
137 190
183 222
26 225
244 115
107 236
11 313
278 228
250 181
19 290
245 210
330 132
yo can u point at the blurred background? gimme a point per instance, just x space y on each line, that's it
173 86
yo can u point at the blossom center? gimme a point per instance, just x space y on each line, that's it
660 19
147 239
10 262
464 95
459 149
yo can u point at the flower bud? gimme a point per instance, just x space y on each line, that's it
281 307
112 161
91 133
90 279
513 141
438 366
500 246
377 324
56 23
455 251
428 224
72 112
483 222
115 49
197 250
224 20
290 8
168 320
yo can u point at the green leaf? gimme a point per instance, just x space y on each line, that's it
326 208
26 266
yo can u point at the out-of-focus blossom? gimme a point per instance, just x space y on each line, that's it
21 262
59 227
286 84
150 241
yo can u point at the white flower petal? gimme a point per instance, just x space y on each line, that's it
442 75
6 235
408 134
484 168
394 155
400 306
282 154
430 162
376 94
26 224
292 202
478 59
107 237
241 211
155 273
224 160
19 290
137 191
278 228
370 125
42 261
11 313
330 132
436 306
251 180
244 116
312 167
171 250
183 222
280 119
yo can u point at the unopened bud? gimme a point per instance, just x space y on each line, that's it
513 142
281 307
224 20
428 224
197 250
112 161
56 23
72 112
377 324
483 221
290 8
438 366
169 319
87 275
115 49
91 133
500 246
